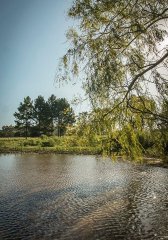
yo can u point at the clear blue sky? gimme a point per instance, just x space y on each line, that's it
32 40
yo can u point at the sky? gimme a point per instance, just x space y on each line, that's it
32 41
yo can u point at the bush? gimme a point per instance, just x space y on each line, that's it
43 136
31 142
57 140
71 141
48 143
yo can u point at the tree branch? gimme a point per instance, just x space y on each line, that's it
145 71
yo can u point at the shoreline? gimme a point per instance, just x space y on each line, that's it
155 162
148 161
78 151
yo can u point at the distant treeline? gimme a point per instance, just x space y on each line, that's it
40 117
130 134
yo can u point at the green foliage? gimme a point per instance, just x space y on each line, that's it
24 116
8 131
126 143
31 142
129 134
117 46
62 114
43 136
109 41
129 142
48 143
42 117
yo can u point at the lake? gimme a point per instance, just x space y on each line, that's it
49 196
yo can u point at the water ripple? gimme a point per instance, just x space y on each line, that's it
81 197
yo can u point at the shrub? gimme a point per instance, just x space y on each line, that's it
43 136
57 140
31 142
48 143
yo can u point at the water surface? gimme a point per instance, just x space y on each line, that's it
81 197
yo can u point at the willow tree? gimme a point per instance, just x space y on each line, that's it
120 45
117 45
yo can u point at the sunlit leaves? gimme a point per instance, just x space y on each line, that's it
113 41
117 47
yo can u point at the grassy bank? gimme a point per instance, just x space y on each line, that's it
66 144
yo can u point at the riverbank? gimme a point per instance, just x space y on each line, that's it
156 162
71 150
62 145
